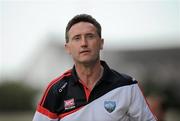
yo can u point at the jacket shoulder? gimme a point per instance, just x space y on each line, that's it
124 77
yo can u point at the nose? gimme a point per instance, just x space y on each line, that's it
84 42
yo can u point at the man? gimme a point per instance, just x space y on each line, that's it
158 106
91 91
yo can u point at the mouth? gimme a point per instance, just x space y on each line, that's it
84 51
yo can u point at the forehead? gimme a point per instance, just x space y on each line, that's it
82 28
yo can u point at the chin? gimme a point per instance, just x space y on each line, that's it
88 61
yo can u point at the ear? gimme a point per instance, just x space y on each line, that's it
102 44
67 48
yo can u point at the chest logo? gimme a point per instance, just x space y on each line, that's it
110 106
69 104
64 85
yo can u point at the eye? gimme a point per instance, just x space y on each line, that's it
90 36
76 38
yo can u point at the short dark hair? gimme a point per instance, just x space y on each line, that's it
82 18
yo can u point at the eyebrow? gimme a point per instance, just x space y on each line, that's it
76 35
85 34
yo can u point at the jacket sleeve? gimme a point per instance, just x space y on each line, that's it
46 109
139 110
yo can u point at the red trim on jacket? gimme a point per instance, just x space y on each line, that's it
46 112
68 73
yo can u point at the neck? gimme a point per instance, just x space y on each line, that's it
89 74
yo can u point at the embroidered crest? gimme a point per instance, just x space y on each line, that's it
110 106
69 104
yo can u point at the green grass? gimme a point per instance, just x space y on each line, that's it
16 116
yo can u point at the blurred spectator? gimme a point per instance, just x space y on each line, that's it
158 106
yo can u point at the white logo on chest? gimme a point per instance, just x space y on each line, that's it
110 106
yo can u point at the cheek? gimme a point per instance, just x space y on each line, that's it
73 51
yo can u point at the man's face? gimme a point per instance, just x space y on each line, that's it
84 43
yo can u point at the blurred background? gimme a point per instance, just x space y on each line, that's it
142 39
